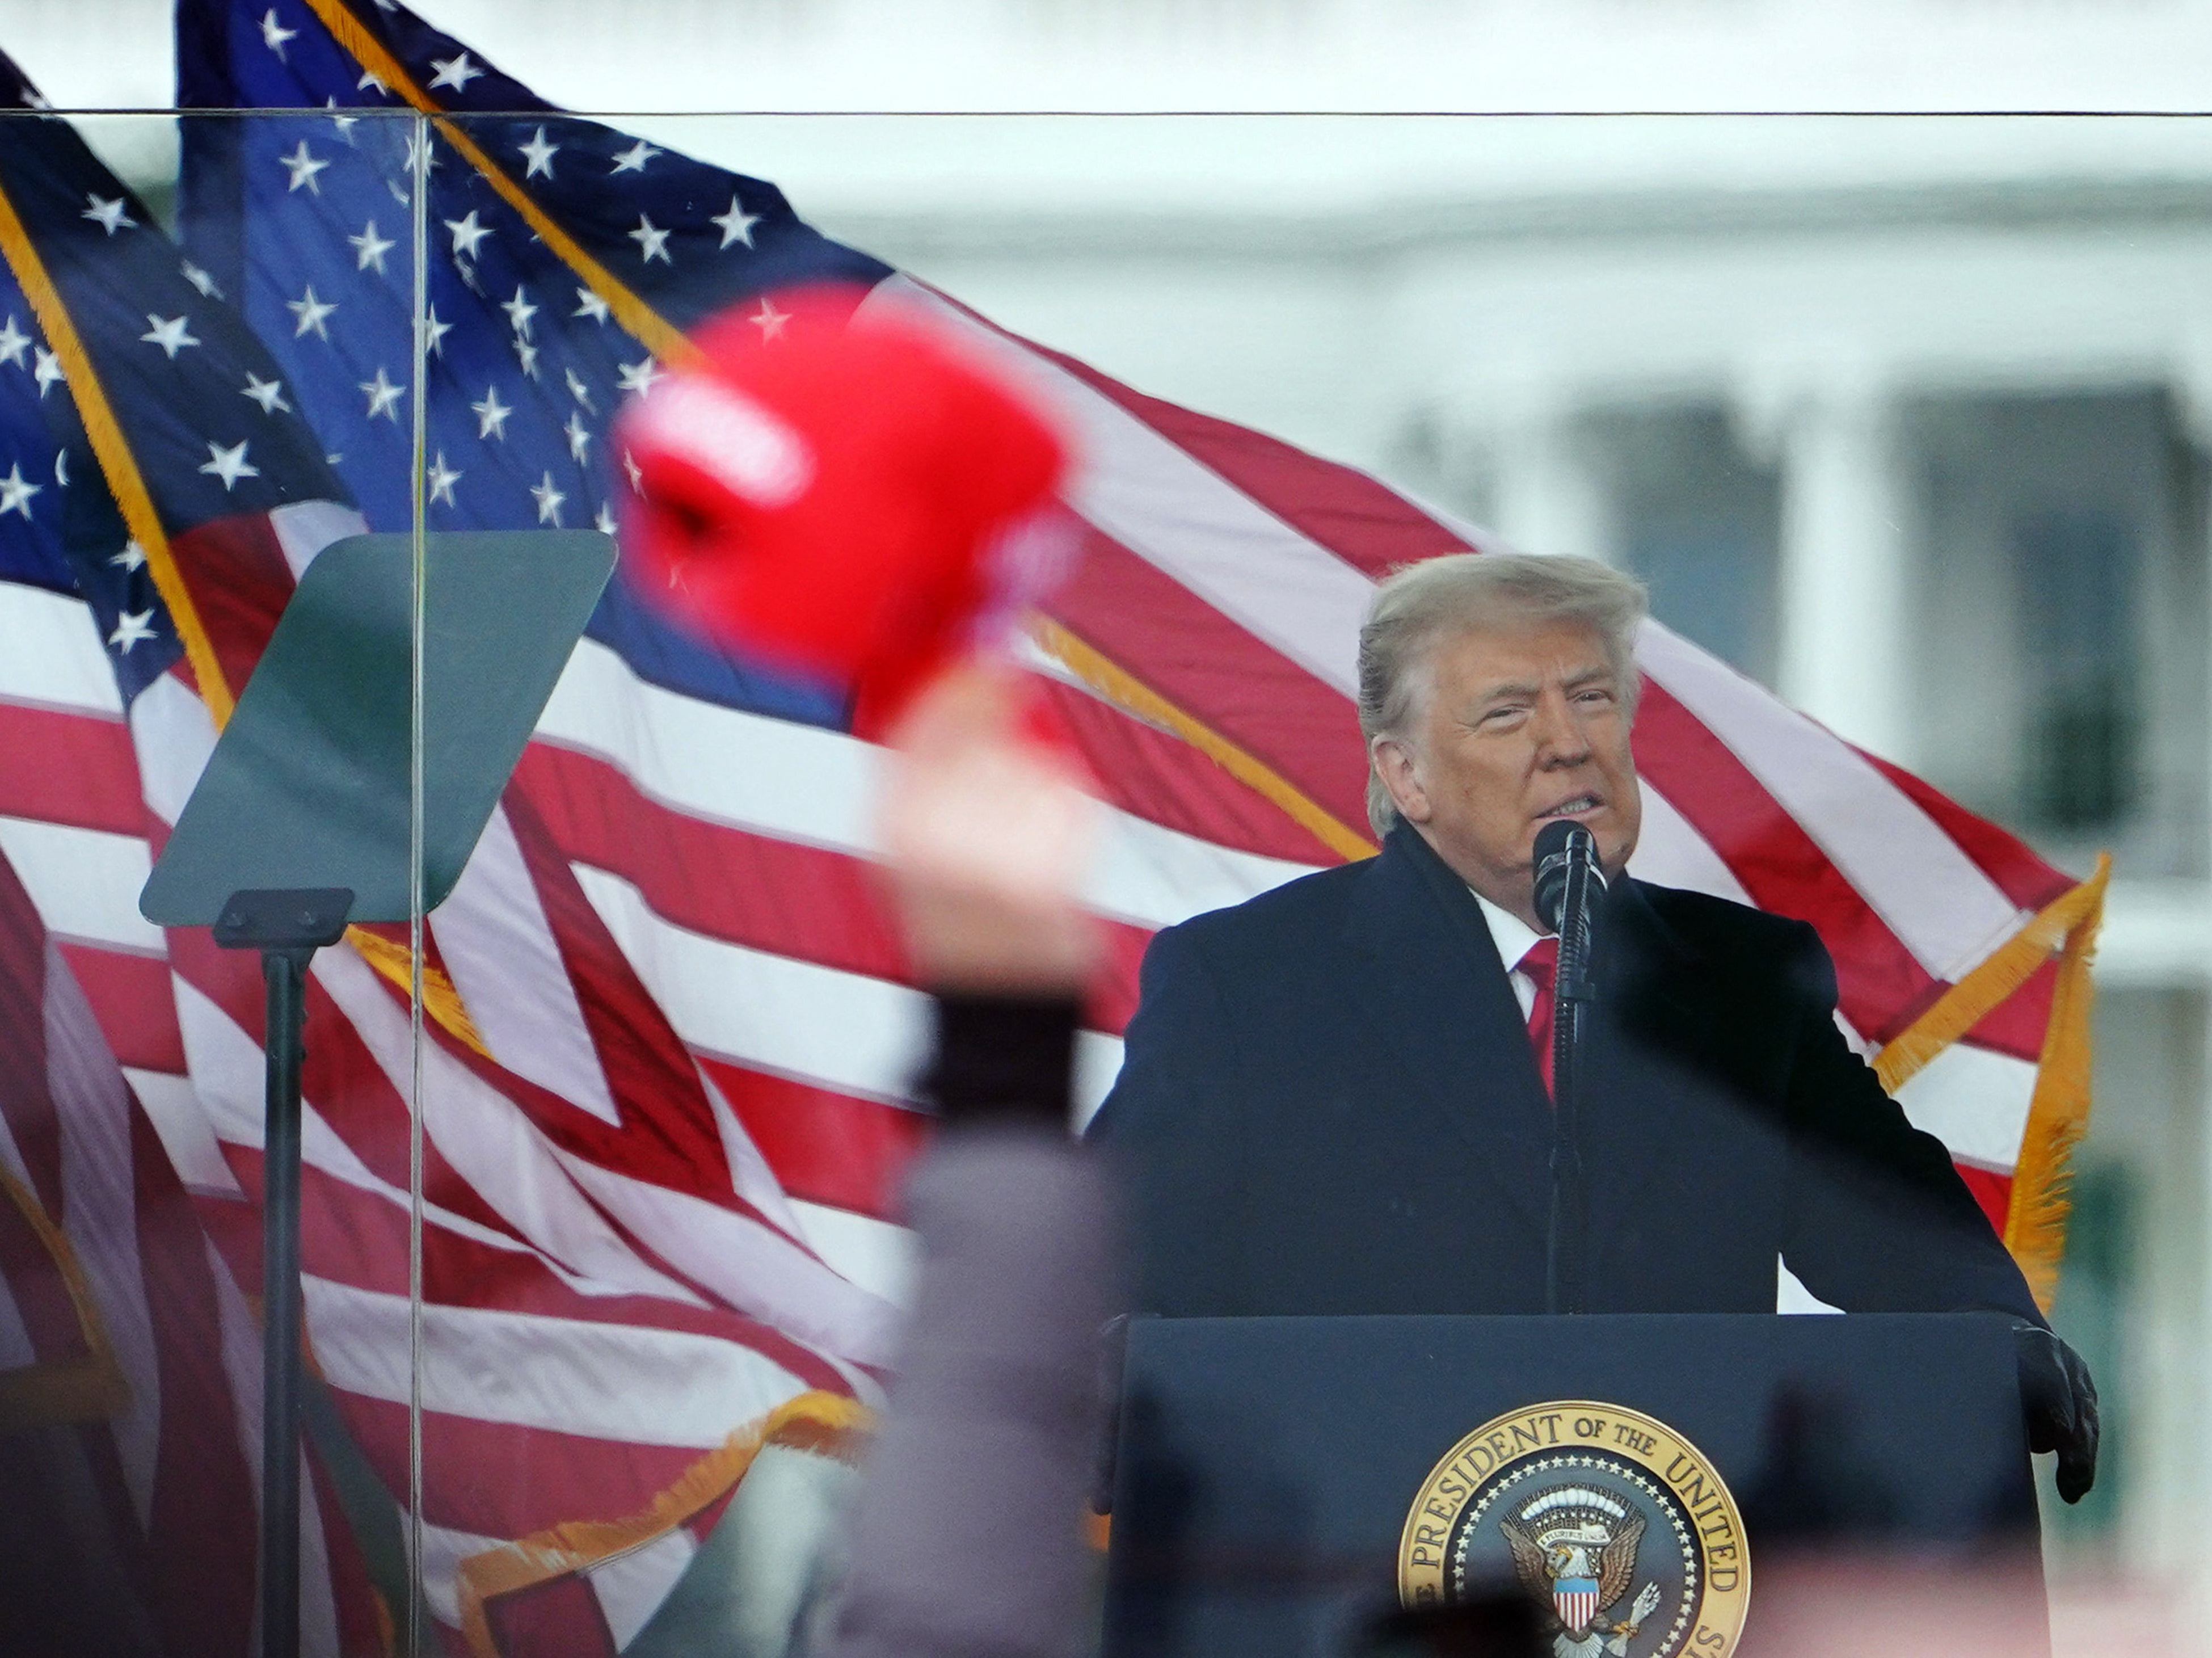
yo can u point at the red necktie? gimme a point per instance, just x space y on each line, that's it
1541 964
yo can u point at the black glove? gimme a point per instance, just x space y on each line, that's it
2060 1403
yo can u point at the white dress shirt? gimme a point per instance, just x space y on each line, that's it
1514 939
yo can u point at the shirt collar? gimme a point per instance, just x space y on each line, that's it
1513 936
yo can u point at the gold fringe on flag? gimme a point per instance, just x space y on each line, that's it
826 1423
2058 1113
1124 691
441 998
652 331
117 463
89 1389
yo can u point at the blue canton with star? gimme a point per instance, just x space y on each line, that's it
309 216
199 403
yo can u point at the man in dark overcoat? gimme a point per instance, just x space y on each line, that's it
1335 1098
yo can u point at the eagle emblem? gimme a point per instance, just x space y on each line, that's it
1574 1549
1618 1527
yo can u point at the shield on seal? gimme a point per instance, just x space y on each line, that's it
1574 1598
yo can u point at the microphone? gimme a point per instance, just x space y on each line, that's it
1562 846
1567 878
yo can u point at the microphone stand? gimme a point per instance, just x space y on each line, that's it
1573 993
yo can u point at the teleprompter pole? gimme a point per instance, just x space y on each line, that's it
287 927
285 980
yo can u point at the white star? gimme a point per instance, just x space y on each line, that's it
577 390
589 303
132 557
467 234
441 479
15 492
131 628
548 501
491 414
454 72
49 371
344 123
314 314
770 320
370 248
274 34
14 342
605 522
170 333
303 167
201 280
269 394
420 158
518 310
370 81
434 332
652 241
638 377
580 440
110 216
737 224
229 465
61 468
383 396
526 354
539 155
630 466
634 158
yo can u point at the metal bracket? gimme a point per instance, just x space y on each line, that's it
287 918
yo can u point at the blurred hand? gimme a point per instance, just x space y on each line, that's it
2061 1405
986 833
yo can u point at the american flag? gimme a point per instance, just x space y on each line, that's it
667 1094
619 1294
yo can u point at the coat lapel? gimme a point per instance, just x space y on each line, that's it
1442 1016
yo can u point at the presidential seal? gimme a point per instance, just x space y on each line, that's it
1617 1525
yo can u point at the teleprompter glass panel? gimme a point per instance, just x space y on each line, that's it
664 1072
168 400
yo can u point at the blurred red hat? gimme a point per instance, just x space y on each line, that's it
848 492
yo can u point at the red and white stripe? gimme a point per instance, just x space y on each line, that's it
142 1516
1575 1607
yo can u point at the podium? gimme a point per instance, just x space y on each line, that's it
1280 1481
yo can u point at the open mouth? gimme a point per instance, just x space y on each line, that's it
1575 805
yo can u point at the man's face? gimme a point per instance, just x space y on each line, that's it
1520 726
